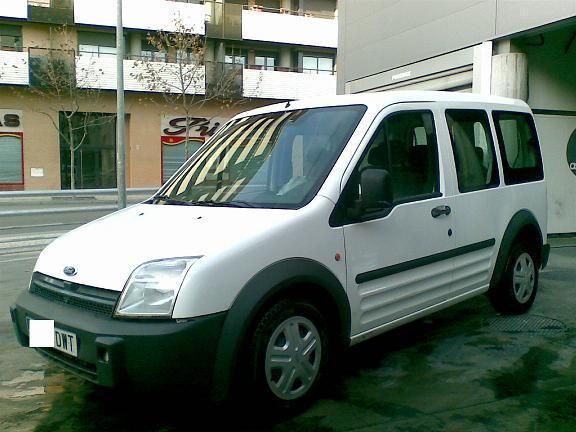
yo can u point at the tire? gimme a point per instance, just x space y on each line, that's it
288 354
517 289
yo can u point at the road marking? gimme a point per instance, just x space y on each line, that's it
18 259
56 224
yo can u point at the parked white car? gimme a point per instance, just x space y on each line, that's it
297 230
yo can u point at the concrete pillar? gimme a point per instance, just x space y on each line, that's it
286 4
510 75
134 44
285 60
482 68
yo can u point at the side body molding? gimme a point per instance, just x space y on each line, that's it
522 223
294 276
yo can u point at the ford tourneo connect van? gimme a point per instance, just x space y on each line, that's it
297 230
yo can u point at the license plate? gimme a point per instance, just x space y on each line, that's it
66 342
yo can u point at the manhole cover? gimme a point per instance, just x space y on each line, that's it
531 324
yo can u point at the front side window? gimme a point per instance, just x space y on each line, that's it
473 149
274 160
404 147
521 158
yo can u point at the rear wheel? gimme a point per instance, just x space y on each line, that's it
518 286
288 353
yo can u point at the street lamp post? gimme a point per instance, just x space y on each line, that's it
120 112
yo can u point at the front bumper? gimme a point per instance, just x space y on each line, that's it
114 353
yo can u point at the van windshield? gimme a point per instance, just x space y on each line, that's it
273 160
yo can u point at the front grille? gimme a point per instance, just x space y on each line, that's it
97 300
79 367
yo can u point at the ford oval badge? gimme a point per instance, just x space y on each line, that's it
70 271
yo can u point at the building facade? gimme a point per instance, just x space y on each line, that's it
516 48
58 81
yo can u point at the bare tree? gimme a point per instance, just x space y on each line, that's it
66 88
177 68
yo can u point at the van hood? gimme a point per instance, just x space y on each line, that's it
105 252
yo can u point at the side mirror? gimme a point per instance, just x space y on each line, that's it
376 193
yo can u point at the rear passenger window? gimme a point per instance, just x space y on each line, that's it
521 159
473 148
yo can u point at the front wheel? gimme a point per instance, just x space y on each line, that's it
288 353
517 289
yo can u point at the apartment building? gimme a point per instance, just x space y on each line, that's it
517 48
265 50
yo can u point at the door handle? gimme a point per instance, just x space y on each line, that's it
441 210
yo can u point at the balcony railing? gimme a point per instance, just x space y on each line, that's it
139 14
14 9
14 68
285 11
269 84
139 75
289 29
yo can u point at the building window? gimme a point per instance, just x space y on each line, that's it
40 3
94 142
266 61
96 51
173 155
10 38
236 56
96 44
320 65
11 170
150 52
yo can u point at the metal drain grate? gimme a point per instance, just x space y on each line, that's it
531 324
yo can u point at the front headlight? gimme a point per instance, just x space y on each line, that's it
152 288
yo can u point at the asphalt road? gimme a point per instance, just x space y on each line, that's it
463 369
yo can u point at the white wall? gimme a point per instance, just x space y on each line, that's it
14 8
284 28
287 85
554 133
14 68
141 14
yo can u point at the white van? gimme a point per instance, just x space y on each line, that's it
297 230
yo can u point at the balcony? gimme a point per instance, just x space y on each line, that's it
288 28
14 68
136 14
51 11
286 85
100 73
14 9
224 79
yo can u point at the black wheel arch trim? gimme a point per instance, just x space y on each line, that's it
521 220
260 289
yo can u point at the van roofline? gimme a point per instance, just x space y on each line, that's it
382 99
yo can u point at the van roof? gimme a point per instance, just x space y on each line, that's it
382 99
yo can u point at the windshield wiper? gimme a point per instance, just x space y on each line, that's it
240 204
209 203
168 200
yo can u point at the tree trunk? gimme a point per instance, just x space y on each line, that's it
186 144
